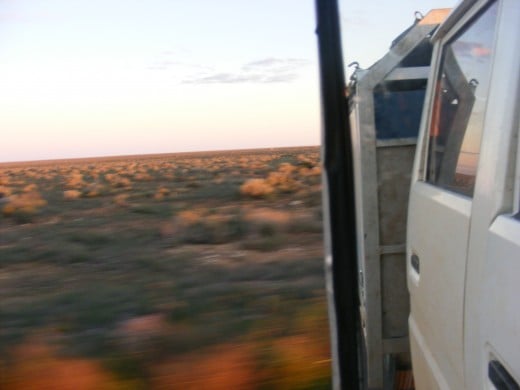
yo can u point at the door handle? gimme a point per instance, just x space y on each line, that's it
415 262
500 377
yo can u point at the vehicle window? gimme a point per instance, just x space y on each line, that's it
398 108
459 105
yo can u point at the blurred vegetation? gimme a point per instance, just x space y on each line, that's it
155 271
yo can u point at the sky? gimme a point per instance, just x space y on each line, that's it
82 78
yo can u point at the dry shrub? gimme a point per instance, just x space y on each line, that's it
137 335
189 217
93 190
143 177
221 368
75 181
216 219
30 188
71 194
36 366
163 190
161 193
117 181
264 215
24 204
31 174
183 225
306 160
167 230
286 168
121 200
5 191
266 229
277 178
169 176
146 324
256 188
46 176
282 181
199 226
299 361
4 180
314 171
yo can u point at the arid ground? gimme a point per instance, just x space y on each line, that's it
189 271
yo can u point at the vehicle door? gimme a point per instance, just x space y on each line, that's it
492 291
441 197
500 319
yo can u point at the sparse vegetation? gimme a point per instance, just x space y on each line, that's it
201 270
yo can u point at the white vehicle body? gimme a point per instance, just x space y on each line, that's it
460 255
463 233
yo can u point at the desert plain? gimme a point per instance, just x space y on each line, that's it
191 270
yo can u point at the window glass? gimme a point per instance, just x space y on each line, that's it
398 108
420 55
459 105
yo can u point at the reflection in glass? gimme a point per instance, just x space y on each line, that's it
398 108
459 105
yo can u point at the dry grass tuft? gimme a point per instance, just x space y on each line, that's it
5 191
282 181
24 204
143 177
93 190
189 217
299 361
161 193
4 181
256 188
117 181
75 181
204 226
121 200
163 190
138 335
71 194
306 160
37 366
222 368
265 215
151 323
30 188
287 168
314 171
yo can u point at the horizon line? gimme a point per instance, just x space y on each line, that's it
145 155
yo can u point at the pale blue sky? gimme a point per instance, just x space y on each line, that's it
107 77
